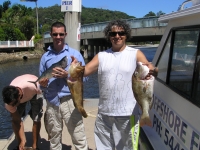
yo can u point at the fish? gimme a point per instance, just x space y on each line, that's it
48 73
75 84
143 92
46 125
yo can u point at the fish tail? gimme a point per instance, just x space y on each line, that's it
82 111
145 120
33 83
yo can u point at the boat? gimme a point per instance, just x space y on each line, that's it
175 113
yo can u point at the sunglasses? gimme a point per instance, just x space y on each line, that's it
121 33
60 34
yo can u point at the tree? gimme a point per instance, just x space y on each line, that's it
2 35
12 34
45 27
27 26
150 14
1 11
6 5
160 13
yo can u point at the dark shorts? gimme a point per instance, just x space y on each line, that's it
35 111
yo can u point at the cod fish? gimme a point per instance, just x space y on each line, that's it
75 84
143 92
48 73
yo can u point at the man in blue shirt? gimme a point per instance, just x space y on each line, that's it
60 106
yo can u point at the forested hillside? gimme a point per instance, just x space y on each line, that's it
91 15
88 15
18 22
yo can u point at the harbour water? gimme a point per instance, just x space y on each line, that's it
11 70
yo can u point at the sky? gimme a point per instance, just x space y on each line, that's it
136 8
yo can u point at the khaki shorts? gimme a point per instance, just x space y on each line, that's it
35 111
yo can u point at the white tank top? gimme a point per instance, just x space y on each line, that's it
115 82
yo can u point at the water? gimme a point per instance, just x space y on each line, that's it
10 70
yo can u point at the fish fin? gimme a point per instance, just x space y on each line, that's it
144 89
34 82
145 121
46 124
82 111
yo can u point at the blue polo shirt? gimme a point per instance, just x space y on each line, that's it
57 87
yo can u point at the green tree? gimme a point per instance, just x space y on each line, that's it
2 35
1 11
12 34
150 14
160 13
6 5
45 27
27 26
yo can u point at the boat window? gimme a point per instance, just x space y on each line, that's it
162 65
183 60
196 93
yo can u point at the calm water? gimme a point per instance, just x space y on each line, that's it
10 70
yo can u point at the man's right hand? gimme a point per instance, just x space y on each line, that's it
44 82
22 145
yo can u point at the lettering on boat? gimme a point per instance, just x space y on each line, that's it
176 133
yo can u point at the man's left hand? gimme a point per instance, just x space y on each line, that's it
59 73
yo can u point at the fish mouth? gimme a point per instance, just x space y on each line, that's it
72 80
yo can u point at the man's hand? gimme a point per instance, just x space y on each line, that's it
44 82
21 145
74 60
59 73
152 70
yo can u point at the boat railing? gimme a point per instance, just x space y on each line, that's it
193 2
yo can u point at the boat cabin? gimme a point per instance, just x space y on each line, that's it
175 113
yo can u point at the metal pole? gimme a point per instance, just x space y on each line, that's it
37 15
73 22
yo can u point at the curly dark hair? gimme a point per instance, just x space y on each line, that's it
119 23
10 93
58 24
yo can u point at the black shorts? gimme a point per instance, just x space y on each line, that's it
35 112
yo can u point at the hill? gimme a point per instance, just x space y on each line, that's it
47 15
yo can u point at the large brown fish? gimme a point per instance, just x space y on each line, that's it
143 92
75 84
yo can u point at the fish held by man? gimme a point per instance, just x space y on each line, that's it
143 92
75 84
48 73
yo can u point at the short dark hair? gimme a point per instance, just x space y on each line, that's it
10 93
58 24
118 23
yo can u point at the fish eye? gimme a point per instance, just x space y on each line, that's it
135 73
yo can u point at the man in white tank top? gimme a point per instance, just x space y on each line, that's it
117 122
